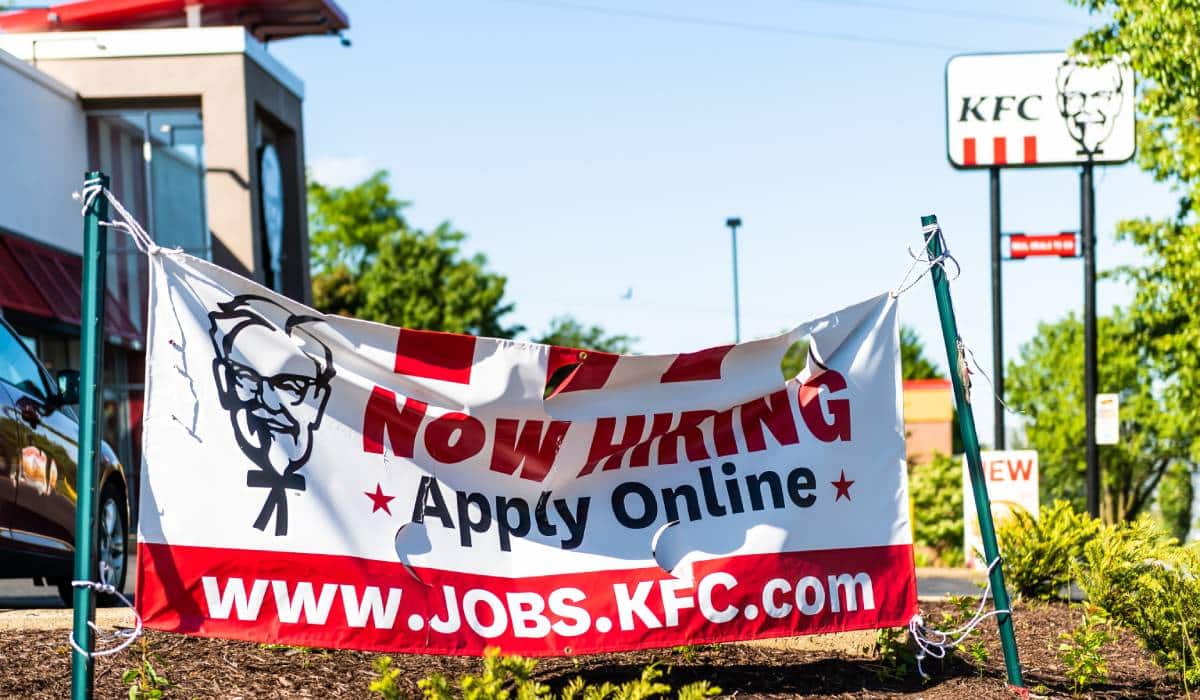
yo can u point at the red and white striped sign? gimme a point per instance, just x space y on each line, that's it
1060 245
319 480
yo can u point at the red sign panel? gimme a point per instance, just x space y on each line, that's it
1060 245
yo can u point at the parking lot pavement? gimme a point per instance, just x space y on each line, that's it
21 594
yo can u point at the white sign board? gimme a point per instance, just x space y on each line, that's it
1012 482
1108 419
1027 109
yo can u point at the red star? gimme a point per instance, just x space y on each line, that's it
843 487
379 501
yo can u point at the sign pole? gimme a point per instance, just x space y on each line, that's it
1087 230
91 361
997 312
966 427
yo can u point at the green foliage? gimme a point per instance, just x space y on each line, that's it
794 360
1039 554
385 685
367 262
1175 496
937 507
897 660
1148 584
1080 649
1047 385
1159 41
913 362
511 678
978 652
144 680
568 332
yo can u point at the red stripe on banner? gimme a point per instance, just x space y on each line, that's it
694 366
1030 149
353 603
435 355
592 372
999 151
969 151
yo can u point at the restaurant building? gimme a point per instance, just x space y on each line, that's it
201 130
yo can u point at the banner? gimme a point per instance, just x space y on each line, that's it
320 480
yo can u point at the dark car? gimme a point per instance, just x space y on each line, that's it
39 432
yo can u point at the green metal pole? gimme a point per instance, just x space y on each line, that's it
966 426
91 361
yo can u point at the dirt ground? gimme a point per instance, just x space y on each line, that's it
36 665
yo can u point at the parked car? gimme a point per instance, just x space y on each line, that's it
39 432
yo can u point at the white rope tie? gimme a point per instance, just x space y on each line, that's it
965 352
936 643
930 263
128 223
129 636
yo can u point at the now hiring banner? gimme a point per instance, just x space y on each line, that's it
321 480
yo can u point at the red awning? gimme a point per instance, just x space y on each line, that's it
267 20
47 282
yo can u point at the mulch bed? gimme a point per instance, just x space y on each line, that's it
37 665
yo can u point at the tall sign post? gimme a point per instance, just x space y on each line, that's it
1036 110
734 223
91 364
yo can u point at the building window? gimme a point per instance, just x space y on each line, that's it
156 161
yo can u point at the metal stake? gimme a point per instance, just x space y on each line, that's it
966 426
91 361
733 223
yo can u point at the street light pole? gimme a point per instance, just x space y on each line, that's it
734 223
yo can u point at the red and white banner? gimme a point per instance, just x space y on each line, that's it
320 480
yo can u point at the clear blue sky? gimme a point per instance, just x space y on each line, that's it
589 147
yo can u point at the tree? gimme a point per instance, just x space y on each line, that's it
1159 41
367 262
1047 386
568 332
913 363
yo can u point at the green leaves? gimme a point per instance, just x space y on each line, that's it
1047 386
568 332
1080 649
1040 554
368 263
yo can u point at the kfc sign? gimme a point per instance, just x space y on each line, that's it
1027 109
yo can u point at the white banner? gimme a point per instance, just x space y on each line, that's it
321 480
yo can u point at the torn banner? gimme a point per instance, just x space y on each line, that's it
320 480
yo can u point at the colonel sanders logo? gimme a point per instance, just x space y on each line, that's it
273 376
1089 98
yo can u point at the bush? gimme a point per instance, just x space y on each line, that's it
937 507
1150 585
1039 554
505 677
1080 649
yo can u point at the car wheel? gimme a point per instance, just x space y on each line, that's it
111 549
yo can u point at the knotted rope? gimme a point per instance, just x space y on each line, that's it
93 189
930 263
128 636
936 643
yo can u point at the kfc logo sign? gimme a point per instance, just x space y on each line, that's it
1037 109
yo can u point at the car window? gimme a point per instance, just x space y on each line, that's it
18 368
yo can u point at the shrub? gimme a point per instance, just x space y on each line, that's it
1150 585
1038 554
505 677
1079 650
937 507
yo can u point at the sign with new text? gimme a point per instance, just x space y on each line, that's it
1028 109
1012 483
320 480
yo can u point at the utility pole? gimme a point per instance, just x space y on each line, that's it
734 223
